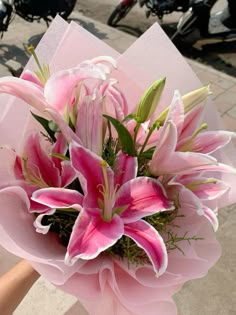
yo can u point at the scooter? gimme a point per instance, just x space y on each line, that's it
194 24
153 7
33 10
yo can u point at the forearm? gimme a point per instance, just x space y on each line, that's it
14 285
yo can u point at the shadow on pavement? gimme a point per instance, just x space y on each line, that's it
8 52
135 31
17 54
90 27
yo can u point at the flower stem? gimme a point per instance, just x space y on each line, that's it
153 127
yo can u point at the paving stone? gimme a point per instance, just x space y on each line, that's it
14 67
233 89
222 106
215 77
227 97
207 77
232 112
229 122
4 71
216 90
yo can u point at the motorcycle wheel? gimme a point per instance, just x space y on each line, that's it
120 11
69 7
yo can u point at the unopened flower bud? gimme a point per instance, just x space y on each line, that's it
150 100
195 97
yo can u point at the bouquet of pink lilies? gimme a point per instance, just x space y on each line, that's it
109 182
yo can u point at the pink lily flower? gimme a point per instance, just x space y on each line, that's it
178 154
166 160
38 168
77 97
197 192
89 123
113 205
186 124
204 188
35 169
187 199
59 90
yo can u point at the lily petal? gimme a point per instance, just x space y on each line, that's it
150 240
91 235
176 112
89 125
141 197
31 77
191 121
60 87
166 161
204 188
90 172
219 167
210 141
40 228
68 174
101 60
60 146
39 164
188 200
57 197
115 101
210 191
165 147
212 217
125 168
25 90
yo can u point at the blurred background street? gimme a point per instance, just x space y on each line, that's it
219 54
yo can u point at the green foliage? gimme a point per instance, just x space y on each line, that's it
46 125
125 138
164 223
110 151
62 222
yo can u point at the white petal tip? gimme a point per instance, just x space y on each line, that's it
200 212
70 261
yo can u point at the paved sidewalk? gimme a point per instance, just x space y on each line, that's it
215 293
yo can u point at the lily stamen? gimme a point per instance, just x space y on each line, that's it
44 72
194 185
187 145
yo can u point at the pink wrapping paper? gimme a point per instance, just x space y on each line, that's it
105 286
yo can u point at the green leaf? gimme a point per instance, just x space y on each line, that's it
45 123
130 116
124 136
148 154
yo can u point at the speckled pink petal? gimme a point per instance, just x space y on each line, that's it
151 242
91 235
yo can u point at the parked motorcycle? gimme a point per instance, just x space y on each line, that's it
33 10
153 7
198 23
